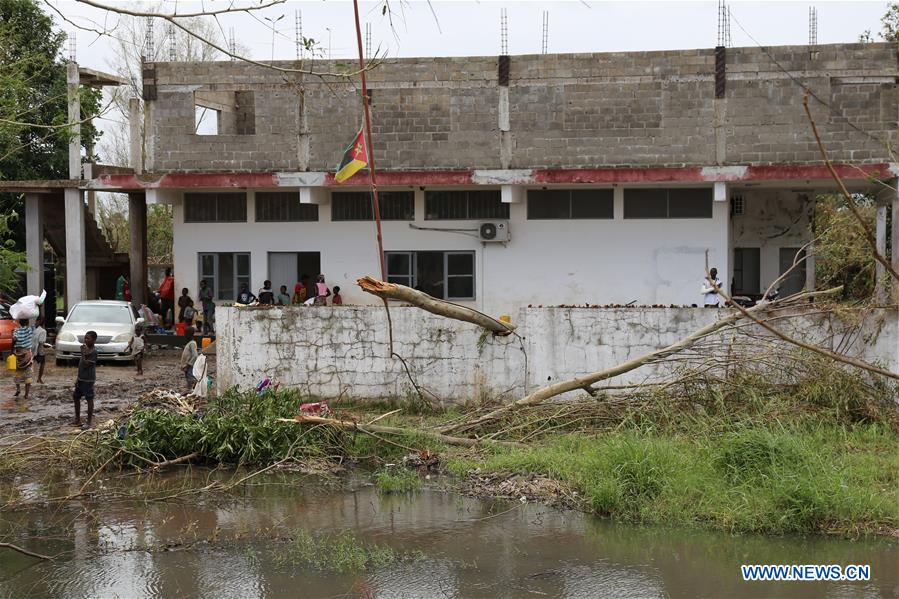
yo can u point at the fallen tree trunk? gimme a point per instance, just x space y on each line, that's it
585 381
25 551
393 430
433 305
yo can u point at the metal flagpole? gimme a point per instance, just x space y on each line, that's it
369 151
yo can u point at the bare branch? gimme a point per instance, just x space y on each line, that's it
585 381
203 13
808 346
25 551
850 201
433 305
174 20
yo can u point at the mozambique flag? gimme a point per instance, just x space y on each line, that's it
355 158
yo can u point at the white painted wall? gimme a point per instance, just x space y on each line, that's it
333 352
773 219
548 262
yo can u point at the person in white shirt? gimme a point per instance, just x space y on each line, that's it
711 298
37 349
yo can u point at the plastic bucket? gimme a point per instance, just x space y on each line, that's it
205 343
180 327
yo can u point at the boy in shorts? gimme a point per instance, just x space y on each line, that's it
87 376
136 347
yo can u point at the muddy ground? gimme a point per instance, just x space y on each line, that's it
50 409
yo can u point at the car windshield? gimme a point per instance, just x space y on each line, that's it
89 314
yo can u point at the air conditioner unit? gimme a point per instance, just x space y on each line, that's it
496 230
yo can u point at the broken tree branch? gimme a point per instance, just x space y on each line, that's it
25 551
585 381
433 305
850 201
393 430
838 357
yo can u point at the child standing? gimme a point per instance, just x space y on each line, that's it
40 338
137 349
188 357
321 292
87 376
283 298
336 299
299 294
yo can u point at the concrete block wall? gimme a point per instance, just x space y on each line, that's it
574 110
343 352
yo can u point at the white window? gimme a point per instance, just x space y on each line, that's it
225 273
445 275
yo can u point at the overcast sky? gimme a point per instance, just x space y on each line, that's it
473 28
454 28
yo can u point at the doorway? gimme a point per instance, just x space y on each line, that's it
286 268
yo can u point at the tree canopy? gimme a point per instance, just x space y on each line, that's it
33 114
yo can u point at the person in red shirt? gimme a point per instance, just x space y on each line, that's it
336 300
167 296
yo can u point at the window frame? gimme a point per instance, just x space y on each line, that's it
570 191
236 278
469 201
217 196
413 274
408 196
668 216
290 196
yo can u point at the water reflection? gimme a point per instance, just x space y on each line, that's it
216 547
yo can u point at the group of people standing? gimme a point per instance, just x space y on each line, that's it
305 293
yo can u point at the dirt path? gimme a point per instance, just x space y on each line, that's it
50 406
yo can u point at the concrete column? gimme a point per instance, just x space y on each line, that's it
74 101
720 120
137 220
810 280
894 238
881 277
721 213
34 243
75 251
135 147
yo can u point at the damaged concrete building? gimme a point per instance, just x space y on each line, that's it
512 180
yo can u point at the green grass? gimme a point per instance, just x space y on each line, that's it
756 478
397 480
342 553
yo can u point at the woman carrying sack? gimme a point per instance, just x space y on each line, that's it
23 340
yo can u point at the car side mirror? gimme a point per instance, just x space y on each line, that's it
140 321
60 320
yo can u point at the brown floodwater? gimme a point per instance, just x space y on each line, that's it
232 546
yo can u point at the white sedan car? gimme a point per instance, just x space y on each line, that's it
113 321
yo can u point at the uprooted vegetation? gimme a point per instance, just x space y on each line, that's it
742 453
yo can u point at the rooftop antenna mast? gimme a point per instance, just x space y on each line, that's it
72 47
812 26
232 44
503 31
727 28
368 40
545 47
151 45
298 32
722 24
170 33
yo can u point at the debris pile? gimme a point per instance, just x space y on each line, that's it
522 487
166 399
